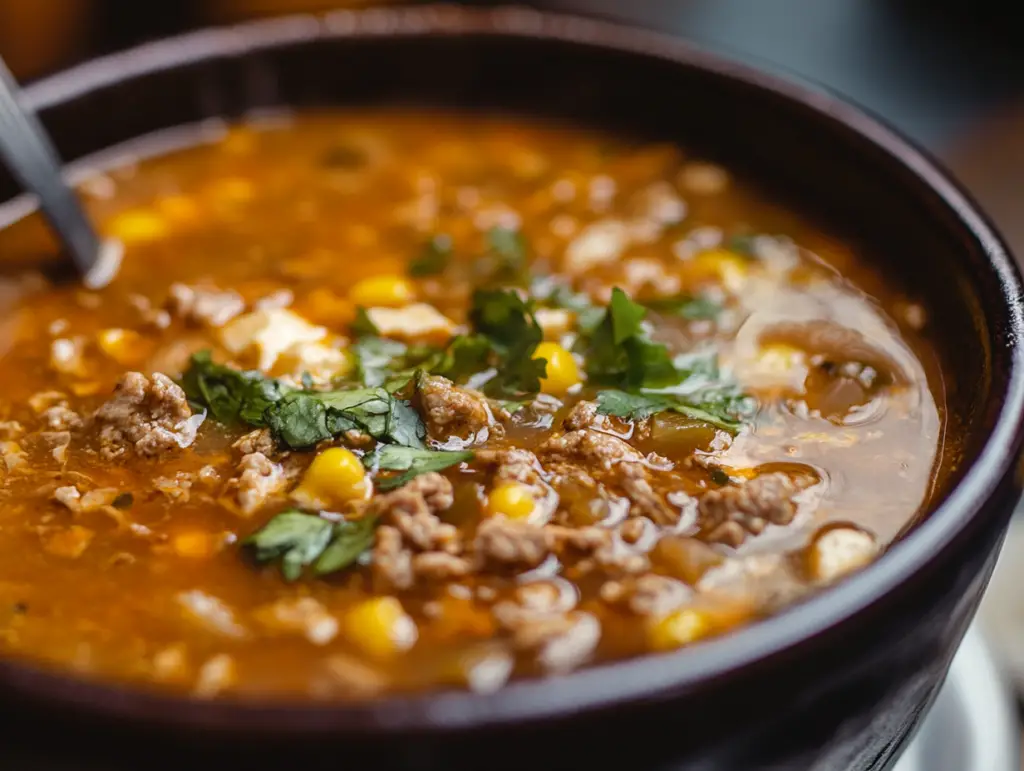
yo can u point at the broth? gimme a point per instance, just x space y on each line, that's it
734 411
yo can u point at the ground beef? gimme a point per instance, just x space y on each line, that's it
259 481
647 595
588 448
260 440
635 482
177 488
60 418
560 643
392 560
412 543
502 544
412 510
209 307
729 514
148 415
449 410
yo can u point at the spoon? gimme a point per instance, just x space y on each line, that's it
29 154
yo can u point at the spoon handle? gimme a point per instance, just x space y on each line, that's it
34 163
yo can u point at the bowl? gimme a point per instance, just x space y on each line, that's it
839 681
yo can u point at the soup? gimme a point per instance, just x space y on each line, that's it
390 401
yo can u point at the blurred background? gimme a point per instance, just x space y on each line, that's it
948 74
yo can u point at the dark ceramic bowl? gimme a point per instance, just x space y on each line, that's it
839 682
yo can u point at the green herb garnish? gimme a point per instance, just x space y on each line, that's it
506 320
412 461
363 325
507 254
637 406
685 307
433 258
620 352
299 540
375 358
230 395
300 418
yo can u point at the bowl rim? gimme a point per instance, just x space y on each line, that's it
615 683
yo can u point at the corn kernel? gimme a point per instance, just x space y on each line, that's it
121 345
677 629
728 267
382 292
512 500
380 627
137 225
335 477
562 372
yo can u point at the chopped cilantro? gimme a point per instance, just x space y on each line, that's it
507 255
413 461
375 358
620 353
685 306
296 538
301 539
363 325
230 395
433 258
505 319
300 418
637 406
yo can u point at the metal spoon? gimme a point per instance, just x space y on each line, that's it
29 154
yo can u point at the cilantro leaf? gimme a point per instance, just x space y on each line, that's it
637 406
685 306
363 325
619 353
465 355
375 358
434 257
349 541
504 318
301 539
300 418
304 418
230 395
411 460
507 253
293 536
623 317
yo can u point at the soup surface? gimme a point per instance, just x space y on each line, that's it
393 401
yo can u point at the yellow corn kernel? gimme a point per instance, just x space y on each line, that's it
195 544
178 208
779 358
137 225
728 267
382 292
677 629
121 345
562 372
511 499
335 477
380 627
